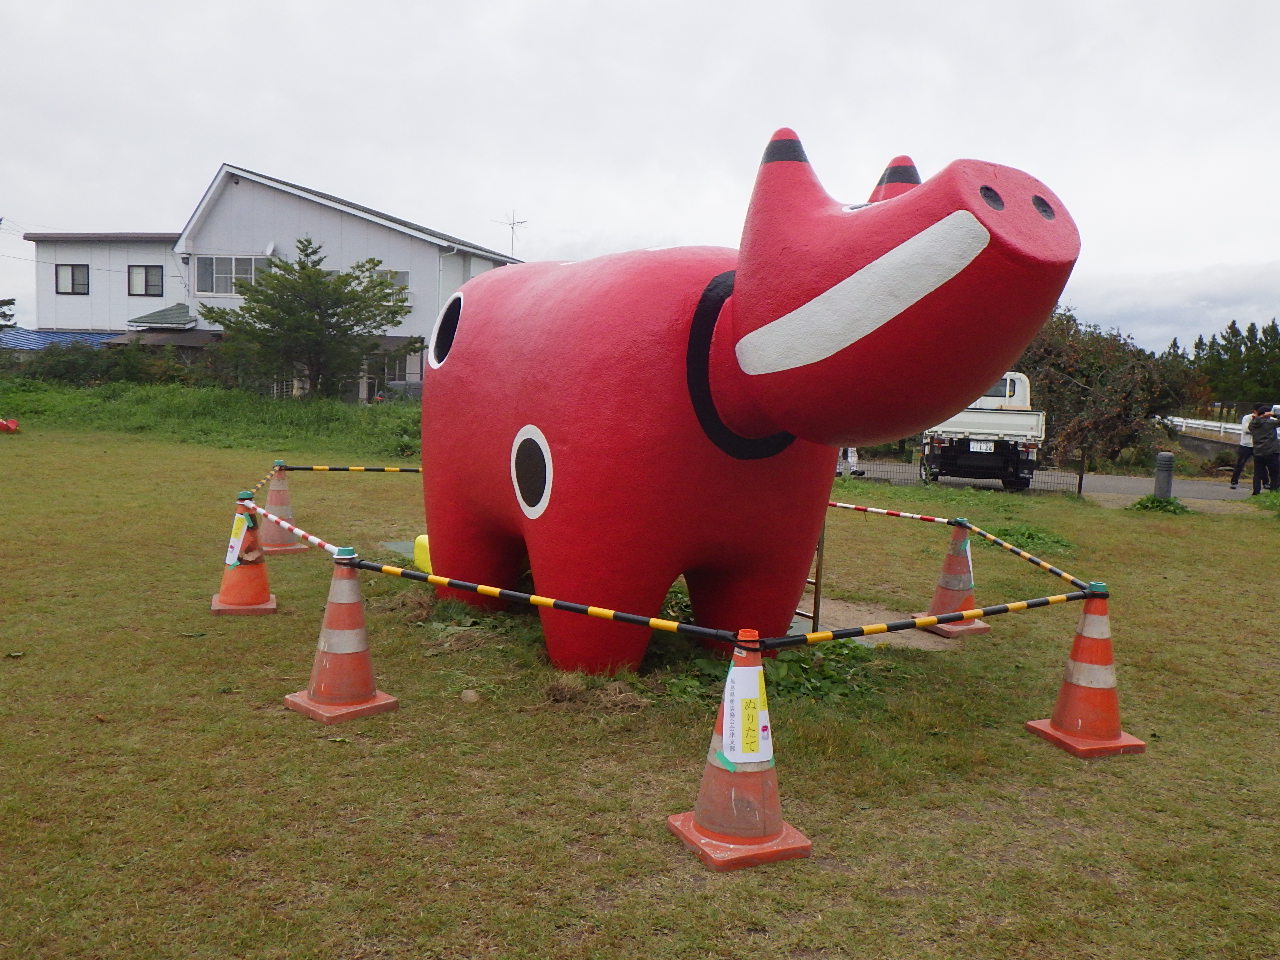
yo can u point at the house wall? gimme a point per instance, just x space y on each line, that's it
108 305
241 216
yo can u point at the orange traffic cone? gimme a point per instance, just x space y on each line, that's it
737 820
245 589
275 538
1086 718
954 592
342 686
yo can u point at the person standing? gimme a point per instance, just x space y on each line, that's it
1266 449
1244 451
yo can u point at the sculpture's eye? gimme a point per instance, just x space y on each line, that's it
994 200
531 472
443 332
1042 207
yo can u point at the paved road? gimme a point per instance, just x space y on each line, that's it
1094 483
1182 489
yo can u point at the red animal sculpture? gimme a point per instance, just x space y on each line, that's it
615 423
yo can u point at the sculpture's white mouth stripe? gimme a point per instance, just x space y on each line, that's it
866 301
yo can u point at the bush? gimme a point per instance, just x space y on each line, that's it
219 417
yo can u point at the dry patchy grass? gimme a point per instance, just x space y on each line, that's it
159 801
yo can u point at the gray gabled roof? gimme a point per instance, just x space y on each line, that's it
408 226
169 238
176 316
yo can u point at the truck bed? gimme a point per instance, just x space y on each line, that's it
993 424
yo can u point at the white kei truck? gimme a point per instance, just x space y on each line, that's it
997 437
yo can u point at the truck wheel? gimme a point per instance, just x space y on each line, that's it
1015 483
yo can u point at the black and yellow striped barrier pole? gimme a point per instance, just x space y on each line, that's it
799 640
533 600
355 469
1034 561
253 491
962 522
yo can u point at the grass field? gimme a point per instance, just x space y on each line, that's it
159 801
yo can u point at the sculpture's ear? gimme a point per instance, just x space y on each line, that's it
786 190
898 177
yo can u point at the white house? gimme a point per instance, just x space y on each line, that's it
150 285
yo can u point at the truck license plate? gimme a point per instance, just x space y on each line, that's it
982 446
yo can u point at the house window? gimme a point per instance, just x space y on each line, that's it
72 278
401 279
218 275
146 281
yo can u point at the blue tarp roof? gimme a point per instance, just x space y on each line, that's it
20 338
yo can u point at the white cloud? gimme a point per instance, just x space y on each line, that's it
1155 308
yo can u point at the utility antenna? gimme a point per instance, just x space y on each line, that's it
512 224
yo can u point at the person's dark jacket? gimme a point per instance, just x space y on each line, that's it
1263 431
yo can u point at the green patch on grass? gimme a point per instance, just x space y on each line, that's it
1029 537
1153 504
1268 500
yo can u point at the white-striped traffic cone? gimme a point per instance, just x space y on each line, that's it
737 820
342 685
954 592
275 538
1086 718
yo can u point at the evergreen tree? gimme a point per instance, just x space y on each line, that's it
298 316
1240 367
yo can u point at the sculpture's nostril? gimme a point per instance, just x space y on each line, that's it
994 200
1042 207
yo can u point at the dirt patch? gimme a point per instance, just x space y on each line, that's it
844 614
573 691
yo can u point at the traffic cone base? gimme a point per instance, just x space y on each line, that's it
727 853
1083 747
335 713
962 628
244 609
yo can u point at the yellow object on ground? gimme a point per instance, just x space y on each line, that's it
422 554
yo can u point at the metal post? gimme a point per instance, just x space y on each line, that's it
817 579
1164 475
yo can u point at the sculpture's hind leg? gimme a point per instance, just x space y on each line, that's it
463 549
609 578
763 599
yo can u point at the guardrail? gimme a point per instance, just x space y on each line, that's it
1221 427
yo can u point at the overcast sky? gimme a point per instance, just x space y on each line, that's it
605 126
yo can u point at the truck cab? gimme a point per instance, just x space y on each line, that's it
1010 392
